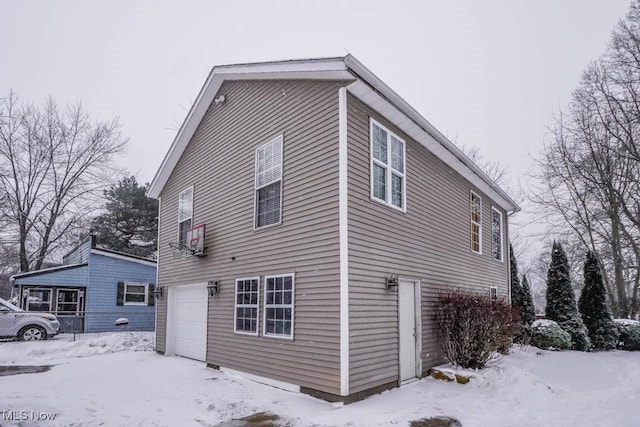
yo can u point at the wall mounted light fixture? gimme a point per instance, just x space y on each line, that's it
392 283
158 292
213 287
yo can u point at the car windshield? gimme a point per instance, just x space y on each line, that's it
9 305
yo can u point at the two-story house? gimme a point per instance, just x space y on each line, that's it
335 214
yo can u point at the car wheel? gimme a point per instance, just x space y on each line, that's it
33 333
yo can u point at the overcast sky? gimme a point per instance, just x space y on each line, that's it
485 73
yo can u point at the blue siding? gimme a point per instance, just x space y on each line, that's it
79 255
102 310
76 276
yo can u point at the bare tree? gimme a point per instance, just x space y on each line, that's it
589 173
494 169
53 162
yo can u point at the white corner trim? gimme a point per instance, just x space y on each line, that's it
344 241
262 380
156 302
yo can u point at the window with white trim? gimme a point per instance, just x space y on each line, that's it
388 167
278 306
38 299
268 183
496 234
185 214
493 293
476 223
246 307
136 293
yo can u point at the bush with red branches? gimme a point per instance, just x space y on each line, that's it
474 327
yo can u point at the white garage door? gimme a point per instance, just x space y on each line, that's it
190 320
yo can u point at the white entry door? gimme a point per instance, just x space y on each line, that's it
189 319
409 328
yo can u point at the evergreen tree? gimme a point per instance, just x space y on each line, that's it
516 289
130 222
528 309
561 301
593 307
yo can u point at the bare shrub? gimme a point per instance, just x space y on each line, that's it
474 327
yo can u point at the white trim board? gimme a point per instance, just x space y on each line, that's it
328 69
262 380
123 257
367 87
343 226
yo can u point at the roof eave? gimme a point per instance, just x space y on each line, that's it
312 69
396 100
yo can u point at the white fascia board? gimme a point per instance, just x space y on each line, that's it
47 270
379 96
296 65
123 257
441 150
323 69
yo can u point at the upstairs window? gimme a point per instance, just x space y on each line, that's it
185 214
268 183
496 234
388 165
476 223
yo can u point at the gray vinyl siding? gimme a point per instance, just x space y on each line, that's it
430 242
219 164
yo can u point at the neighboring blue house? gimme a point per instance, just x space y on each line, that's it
92 289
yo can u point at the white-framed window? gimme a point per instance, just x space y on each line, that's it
268 183
38 299
493 293
246 307
388 167
496 234
136 293
185 214
476 222
278 306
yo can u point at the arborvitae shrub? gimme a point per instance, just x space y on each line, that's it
548 335
528 309
593 307
629 331
474 327
516 289
561 301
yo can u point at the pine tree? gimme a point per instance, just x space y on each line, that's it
561 301
593 307
516 289
528 309
130 222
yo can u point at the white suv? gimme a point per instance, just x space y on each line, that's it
26 325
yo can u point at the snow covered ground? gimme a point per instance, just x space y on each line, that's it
117 380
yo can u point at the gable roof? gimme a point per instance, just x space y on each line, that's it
365 85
